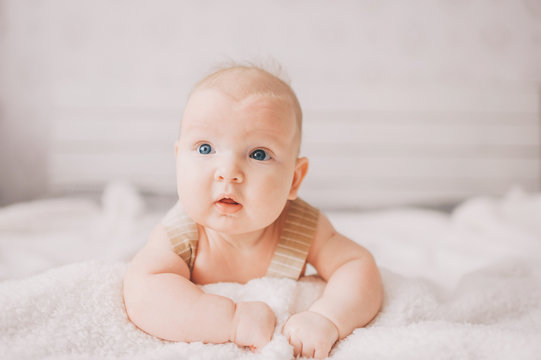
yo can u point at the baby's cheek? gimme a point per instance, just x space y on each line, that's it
271 198
280 188
190 176
189 186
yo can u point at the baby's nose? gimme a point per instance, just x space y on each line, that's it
230 173
233 179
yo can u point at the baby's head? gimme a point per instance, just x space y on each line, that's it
237 154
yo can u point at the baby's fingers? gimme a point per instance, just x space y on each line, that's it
321 353
308 351
297 346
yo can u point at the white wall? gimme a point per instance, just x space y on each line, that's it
80 63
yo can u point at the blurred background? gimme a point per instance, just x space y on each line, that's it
424 102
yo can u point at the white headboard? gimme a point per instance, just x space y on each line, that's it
377 148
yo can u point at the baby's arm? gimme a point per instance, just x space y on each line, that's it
351 299
161 300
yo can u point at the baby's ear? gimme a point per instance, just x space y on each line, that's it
301 168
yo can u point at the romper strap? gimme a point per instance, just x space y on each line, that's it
289 258
183 234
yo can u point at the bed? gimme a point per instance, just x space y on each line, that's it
459 284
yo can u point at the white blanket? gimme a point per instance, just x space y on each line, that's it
465 285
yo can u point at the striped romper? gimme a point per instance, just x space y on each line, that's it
289 257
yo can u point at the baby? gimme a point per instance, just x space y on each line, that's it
239 218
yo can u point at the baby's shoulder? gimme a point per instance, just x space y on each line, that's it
181 233
158 237
156 256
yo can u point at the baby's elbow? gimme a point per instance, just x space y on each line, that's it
371 293
133 297
379 295
375 284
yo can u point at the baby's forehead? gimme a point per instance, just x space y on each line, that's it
253 108
250 91
241 84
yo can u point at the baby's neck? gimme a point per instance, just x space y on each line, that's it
241 242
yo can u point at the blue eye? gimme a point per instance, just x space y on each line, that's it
260 155
204 149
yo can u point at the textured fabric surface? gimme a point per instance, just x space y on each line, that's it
182 233
290 255
76 312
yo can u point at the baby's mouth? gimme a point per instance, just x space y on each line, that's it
228 201
227 205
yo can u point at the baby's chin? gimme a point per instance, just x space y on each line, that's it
230 226
234 224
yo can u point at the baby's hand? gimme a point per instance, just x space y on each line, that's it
311 334
253 324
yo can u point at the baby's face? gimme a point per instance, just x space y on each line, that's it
236 160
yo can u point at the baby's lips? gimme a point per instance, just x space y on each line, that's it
227 205
228 201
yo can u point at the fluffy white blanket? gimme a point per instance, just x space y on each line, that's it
460 286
